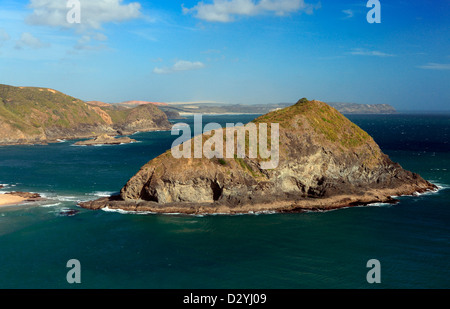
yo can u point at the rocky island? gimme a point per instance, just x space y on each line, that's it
17 197
105 139
33 115
325 162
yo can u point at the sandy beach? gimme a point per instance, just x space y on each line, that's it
17 197
9 199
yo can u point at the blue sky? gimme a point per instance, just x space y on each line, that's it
231 51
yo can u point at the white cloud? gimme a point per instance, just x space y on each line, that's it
348 13
226 10
146 34
90 42
100 37
211 51
180 65
28 40
93 13
435 66
365 52
4 36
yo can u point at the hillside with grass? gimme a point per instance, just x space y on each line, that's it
30 115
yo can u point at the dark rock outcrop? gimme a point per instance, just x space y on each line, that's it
68 212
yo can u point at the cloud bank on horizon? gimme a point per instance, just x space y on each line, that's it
236 51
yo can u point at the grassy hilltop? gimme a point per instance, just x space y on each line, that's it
36 115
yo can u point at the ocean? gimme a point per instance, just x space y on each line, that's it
252 251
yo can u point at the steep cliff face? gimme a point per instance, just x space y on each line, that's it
325 161
31 115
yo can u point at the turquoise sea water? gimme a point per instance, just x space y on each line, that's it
310 250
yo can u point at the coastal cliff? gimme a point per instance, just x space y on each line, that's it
32 115
325 162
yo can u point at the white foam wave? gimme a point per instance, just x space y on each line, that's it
51 205
427 192
256 213
124 212
377 204
67 198
101 193
63 198
440 186
266 212
104 145
121 211
47 195
109 145
7 185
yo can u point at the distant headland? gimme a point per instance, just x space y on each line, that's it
33 115
220 108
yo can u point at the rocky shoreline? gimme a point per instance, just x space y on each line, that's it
90 137
106 140
115 202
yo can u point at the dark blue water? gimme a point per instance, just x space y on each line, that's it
311 250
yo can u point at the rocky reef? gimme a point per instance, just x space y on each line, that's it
105 139
325 162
